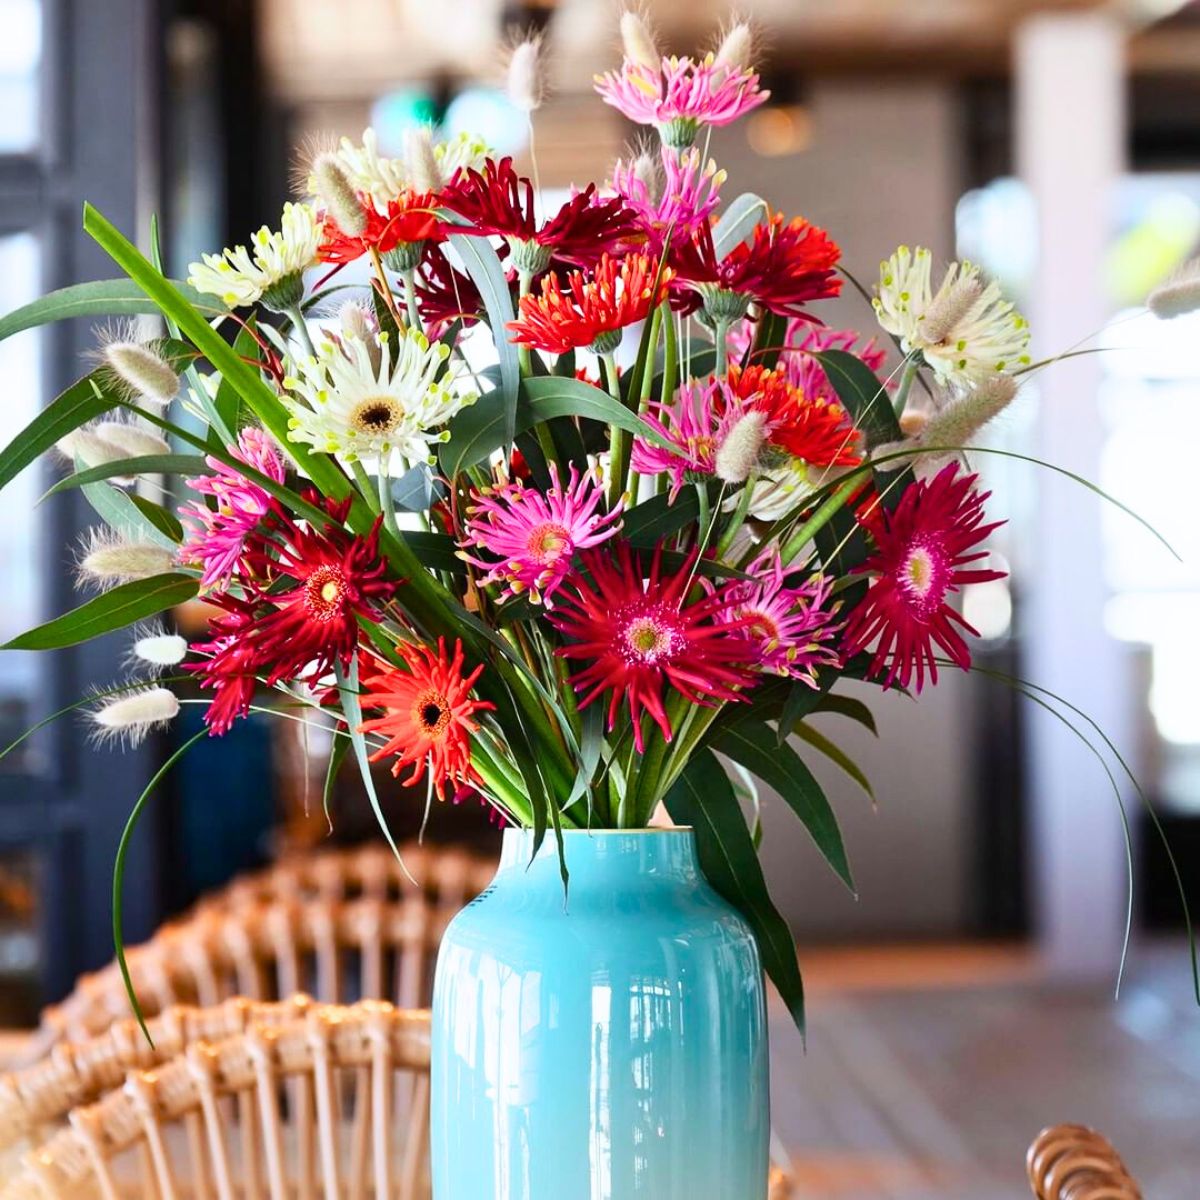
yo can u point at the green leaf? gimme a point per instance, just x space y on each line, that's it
754 745
102 298
435 550
800 701
129 602
479 430
165 521
145 464
646 524
836 755
76 406
227 404
860 390
848 706
738 221
703 798
483 266
337 755
118 511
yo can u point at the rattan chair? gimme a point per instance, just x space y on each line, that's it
1072 1162
335 951
447 876
329 1105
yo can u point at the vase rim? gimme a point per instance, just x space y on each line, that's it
609 832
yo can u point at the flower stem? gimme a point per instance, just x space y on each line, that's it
385 501
365 487
300 328
670 356
739 515
618 457
904 387
722 346
825 513
410 297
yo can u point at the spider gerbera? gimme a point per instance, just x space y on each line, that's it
923 552
536 534
428 715
593 308
638 633
782 267
498 201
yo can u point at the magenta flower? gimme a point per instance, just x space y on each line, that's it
681 95
796 361
790 625
536 535
679 196
217 536
691 423
924 551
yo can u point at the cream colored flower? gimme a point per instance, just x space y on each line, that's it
374 397
967 332
271 271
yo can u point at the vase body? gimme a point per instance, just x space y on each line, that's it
610 1045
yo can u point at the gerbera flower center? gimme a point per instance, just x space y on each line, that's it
375 415
761 626
325 593
923 575
432 713
649 638
547 541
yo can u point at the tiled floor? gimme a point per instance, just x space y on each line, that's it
928 1073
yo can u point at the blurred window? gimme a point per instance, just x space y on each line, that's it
20 83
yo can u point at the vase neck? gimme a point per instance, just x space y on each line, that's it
606 857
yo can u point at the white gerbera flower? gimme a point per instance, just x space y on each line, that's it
966 331
367 397
272 271
462 152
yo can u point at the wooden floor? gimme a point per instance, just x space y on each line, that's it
928 1072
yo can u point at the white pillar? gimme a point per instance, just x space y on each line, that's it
1070 119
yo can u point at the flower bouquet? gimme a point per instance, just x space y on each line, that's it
581 511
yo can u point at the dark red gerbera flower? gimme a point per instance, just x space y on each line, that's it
782 267
445 294
302 618
410 219
638 632
428 714
499 201
591 310
921 550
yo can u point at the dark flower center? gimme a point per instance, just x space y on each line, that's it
432 711
375 415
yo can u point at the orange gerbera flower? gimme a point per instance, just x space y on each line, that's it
410 219
428 714
816 429
591 310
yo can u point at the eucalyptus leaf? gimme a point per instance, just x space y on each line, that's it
146 464
865 397
117 510
738 221
646 524
836 755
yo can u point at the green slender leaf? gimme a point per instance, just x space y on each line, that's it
737 222
76 406
437 551
836 755
227 404
703 798
348 691
145 464
162 519
754 745
118 884
646 524
483 266
337 755
860 390
591 743
118 511
102 298
848 706
799 702
110 610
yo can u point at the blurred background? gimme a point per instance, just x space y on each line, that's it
966 995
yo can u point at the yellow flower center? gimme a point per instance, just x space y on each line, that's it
547 541
325 592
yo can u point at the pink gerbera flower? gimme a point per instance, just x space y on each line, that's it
217 536
681 95
638 633
796 362
536 534
670 193
791 626
691 423
921 549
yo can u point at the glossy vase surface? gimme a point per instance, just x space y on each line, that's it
609 1046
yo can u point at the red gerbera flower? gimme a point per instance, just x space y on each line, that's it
301 619
410 218
920 551
592 310
444 294
638 631
781 267
499 201
816 429
428 714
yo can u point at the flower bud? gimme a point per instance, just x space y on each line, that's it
525 80
109 559
160 649
736 51
131 717
1178 295
959 422
144 372
424 174
86 446
737 456
133 441
639 43
954 300
337 195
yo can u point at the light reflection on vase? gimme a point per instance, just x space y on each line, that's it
612 1048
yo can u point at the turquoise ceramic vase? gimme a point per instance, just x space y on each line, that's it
611 1046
